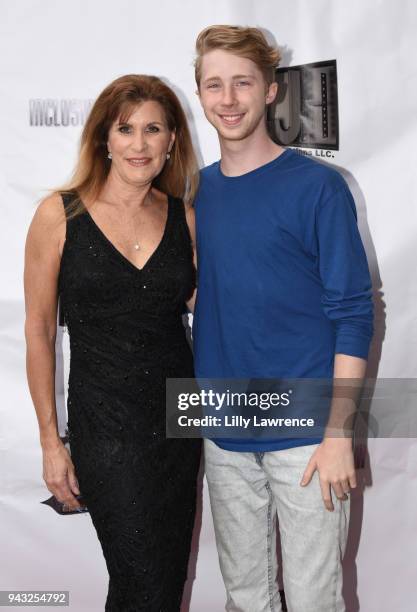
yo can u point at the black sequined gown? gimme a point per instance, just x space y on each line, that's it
126 338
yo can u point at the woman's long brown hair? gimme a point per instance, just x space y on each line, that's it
179 176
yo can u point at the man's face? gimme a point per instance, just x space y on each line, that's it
233 94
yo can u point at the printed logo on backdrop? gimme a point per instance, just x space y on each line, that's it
305 113
58 112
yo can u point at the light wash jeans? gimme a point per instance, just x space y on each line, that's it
247 491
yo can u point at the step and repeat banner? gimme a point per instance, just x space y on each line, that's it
348 98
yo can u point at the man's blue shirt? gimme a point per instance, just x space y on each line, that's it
283 280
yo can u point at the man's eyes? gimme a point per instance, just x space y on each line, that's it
236 84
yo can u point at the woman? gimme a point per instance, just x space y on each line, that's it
116 249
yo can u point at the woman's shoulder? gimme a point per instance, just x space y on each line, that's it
47 229
50 210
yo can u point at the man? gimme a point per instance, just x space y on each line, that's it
283 292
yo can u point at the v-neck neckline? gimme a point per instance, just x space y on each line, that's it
127 261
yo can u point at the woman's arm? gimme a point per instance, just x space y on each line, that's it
190 216
42 261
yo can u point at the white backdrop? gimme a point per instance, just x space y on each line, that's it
71 50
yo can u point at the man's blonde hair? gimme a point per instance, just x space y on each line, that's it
244 42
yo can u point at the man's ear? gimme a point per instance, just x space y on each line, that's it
271 92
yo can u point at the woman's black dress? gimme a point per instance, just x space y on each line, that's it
126 338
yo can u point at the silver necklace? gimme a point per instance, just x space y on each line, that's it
136 246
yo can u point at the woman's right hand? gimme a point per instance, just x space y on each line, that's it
59 475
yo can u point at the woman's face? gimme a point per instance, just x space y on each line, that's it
139 147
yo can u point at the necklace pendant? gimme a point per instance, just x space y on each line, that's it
136 247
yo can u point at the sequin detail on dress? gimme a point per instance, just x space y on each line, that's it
126 337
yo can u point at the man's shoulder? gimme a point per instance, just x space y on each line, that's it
314 172
209 171
208 180
297 173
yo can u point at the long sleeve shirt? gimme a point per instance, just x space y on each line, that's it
283 280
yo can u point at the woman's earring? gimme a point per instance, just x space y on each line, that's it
168 155
109 155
